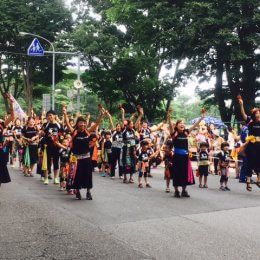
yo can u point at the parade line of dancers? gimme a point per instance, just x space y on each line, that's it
73 148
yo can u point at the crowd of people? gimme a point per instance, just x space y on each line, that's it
73 148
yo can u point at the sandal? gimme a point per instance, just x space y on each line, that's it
167 190
148 185
124 180
177 194
248 186
185 194
205 186
140 185
200 186
131 181
78 195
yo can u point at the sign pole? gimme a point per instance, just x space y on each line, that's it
78 90
53 80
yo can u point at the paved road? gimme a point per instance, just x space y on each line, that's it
124 222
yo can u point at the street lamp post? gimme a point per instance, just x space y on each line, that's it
53 65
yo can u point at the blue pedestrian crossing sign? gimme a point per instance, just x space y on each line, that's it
35 49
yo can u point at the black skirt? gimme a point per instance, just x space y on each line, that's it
83 177
33 151
181 173
253 158
4 174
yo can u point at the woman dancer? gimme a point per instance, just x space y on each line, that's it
129 147
81 152
117 144
252 148
182 174
4 174
17 133
30 137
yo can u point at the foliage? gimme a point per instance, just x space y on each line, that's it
44 18
125 46
192 108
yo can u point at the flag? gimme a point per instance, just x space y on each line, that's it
17 108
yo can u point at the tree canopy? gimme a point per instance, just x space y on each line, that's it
126 44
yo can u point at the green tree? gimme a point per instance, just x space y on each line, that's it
45 18
123 65
226 35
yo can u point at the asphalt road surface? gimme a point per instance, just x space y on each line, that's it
124 222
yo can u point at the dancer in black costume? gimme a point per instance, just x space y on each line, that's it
4 174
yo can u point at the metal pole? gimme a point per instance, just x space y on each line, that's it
53 80
78 90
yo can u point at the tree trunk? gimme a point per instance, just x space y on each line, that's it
28 85
219 91
246 32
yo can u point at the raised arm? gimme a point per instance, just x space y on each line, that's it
241 103
10 118
110 121
122 114
169 114
133 116
88 118
66 119
78 114
98 121
43 115
203 114
139 118
158 127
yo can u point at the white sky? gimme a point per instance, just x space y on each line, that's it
68 2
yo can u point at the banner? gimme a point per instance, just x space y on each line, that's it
17 108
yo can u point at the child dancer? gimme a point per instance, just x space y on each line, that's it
203 164
107 155
167 158
64 153
143 164
223 167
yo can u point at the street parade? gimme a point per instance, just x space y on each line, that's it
66 151
129 129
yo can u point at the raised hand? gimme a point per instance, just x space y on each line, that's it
203 112
88 115
78 114
240 100
101 109
140 109
134 115
169 113
8 97
64 110
107 113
